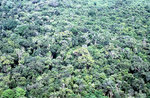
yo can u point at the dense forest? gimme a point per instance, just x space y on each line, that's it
74 48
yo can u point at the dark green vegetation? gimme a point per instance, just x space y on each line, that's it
74 48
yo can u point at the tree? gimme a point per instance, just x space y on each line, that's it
19 92
80 58
9 93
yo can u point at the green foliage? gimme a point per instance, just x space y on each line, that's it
9 24
19 92
9 93
74 48
13 93
82 58
95 94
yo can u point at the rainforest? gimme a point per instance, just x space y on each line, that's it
74 48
